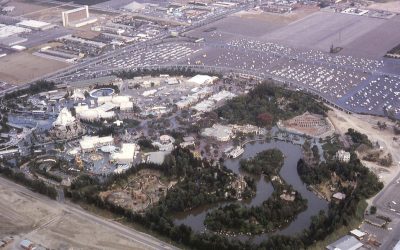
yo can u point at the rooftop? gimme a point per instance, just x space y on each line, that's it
345 243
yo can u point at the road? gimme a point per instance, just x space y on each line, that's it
130 233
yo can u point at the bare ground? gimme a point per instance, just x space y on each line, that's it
23 67
367 124
47 223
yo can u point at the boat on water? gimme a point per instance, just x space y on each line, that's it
236 152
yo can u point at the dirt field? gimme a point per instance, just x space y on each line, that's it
47 223
23 7
21 213
71 231
367 124
24 67
393 6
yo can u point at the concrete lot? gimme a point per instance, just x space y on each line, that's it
321 29
376 42
251 23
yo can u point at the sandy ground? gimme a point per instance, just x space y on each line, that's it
388 6
45 222
367 124
21 213
23 67
71 231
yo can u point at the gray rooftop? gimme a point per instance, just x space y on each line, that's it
345 243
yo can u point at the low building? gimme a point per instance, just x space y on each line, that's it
85 113
35 25
339 196
187 142
126 155
202 79
219 132
343 156
26 244
374 220
90 143
156 157
358 234
345 243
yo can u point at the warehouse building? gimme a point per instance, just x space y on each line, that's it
91 143
35 25
126 154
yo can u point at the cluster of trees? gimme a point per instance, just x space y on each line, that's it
268 162
358 138
130 123
35 185
393 52
202 183
47 174
346 211
4 128
263 105
272 214
375 156
186 72
33 89
146 145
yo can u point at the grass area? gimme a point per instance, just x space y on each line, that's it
344 230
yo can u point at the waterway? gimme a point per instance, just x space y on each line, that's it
195 218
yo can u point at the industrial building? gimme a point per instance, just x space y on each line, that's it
219 132
35 25
91 143
345 243
122 102
94 114
202 79
77 17
126 154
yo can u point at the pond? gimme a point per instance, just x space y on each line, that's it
101 92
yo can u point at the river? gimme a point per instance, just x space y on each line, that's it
195 217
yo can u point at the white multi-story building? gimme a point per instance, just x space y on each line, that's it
343 156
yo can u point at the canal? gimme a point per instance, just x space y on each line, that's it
292 152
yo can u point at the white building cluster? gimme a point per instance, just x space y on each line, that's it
343 156
192 99
126 154
94 114
122 102
224 133
209 104
91 143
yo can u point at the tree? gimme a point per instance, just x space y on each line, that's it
265 119
372 210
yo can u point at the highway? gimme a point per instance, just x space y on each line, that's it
130 233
